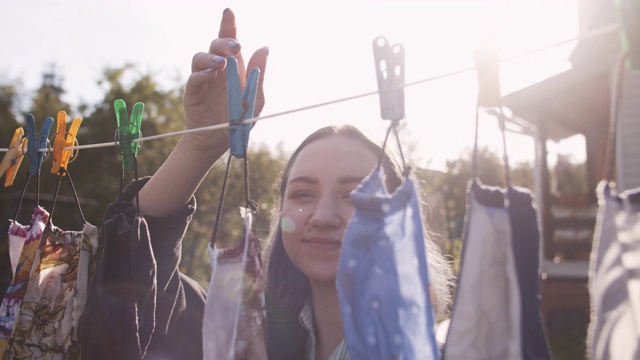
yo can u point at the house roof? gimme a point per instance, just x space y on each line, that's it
577 100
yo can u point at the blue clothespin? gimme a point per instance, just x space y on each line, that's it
241 106
34 145
389 61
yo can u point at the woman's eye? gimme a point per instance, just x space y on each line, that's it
302 195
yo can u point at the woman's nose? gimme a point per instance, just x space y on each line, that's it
327 213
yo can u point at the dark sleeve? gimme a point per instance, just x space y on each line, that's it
180 299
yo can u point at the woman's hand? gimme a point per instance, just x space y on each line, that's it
205 97
205 104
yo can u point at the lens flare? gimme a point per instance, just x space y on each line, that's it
287 225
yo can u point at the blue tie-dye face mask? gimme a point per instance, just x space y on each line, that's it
382 280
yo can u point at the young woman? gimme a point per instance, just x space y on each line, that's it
303 311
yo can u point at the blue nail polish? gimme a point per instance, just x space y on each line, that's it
217 59
232 43
208 70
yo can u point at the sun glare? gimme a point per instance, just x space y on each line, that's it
319 53
441 37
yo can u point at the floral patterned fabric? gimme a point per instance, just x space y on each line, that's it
46 326
23 240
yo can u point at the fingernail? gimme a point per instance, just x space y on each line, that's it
232 43
267 48
208 70
217 59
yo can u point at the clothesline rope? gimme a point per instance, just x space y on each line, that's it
590 34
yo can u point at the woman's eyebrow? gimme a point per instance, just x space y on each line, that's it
304 179
349 179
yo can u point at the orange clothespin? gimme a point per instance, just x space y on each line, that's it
13 158
62 140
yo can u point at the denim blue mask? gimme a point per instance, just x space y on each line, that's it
382 280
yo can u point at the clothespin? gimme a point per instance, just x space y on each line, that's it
128 130
35 145
389 61
241 106
13 158
488 73
629 13
63 140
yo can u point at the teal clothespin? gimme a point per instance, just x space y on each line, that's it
241 106
389 61
128 131
35 145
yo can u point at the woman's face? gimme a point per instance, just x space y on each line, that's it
317 205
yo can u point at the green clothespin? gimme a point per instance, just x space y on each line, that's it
128 131
629 14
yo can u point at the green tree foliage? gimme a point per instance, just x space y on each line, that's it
8 105
48 98
569 177
8 124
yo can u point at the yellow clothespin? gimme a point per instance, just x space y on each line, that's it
13 158
62 140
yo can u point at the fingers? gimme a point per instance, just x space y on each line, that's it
204 69
225 47
202 61
259 60
226 44
227 25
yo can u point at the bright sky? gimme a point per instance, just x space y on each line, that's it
319 51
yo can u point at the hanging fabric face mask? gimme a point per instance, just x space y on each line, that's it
613 277
120 315
23 240
55 296
119 319
234 317
496 312
614 266
234 324
383 280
